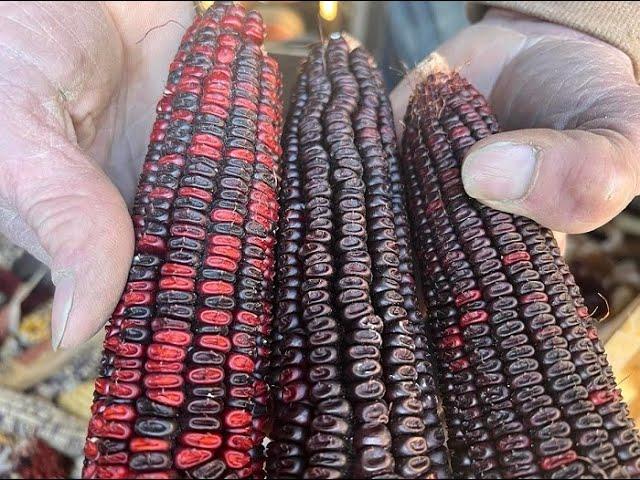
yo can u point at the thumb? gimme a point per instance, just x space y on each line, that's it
60 206
571 181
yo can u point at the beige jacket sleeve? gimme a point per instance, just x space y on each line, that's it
617 23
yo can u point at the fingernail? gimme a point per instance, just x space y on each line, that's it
501 171
62 304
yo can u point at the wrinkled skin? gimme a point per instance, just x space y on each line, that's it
79 95
541 78
79 90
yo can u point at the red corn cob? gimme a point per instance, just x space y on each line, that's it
182 389
527 388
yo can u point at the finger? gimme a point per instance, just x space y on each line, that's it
561 240
571 181
59 205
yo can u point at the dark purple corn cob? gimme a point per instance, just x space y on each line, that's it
182 391
425 366
354 392
527 389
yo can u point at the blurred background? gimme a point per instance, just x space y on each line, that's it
45 396
399 34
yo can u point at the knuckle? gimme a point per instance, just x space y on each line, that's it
595 200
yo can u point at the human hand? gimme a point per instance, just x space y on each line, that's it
79 87
570 108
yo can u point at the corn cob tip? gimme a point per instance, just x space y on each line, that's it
352 42
434 63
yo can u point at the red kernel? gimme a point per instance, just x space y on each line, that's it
468 296
173 159
178 338
214 317
114 471
247 318
229 252
137 298
91 450
173 398
477 316
240 442
225 241
209 441
242 154
178 270
151 243
534 297
195 193
141 286
224 54
460 364
140 444
242 392
119 412
216 110
190 457
213 287
154 366
240 363
237 418
235 459
592 333
601 397
221 215
118 458
163 380
208 139
127 363
177 283
515 257
451 341
169 353
219 343
221 263
583 312
243 340
205 375
126 375
202 150
556 461
116 430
